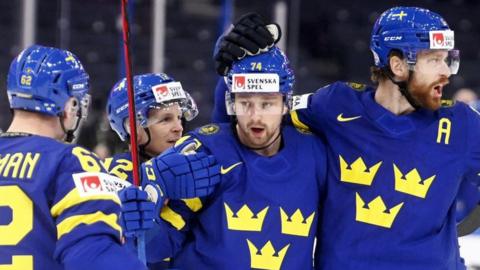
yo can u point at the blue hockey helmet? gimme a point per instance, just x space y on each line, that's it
152 91
42 79
410 30
267 72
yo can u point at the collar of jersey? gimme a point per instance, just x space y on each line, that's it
396 124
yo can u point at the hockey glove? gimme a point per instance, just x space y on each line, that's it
137 212
179 175
249 35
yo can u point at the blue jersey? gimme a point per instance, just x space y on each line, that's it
263 214
392 180
56 205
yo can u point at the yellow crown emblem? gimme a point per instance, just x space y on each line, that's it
266 258
357 172
245 219
297 224
412 183
376 213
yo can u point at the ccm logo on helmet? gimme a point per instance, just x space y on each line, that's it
393 38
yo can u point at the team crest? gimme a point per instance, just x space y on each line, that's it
447 102
209 129
357 86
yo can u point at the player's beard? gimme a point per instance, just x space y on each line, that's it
266 135
428 96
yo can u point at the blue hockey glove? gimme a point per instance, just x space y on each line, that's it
137 212
250 35
179 175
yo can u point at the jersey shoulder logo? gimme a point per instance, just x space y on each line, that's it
209 129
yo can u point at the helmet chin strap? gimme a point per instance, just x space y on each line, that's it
403 87
70 133
142 147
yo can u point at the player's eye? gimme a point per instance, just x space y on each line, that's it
267 105
167 119
435 60
245 104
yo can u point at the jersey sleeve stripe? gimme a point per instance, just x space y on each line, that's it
70 223
194 204
175 219
73 198
297 123
182 140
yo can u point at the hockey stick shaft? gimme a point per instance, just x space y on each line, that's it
132 117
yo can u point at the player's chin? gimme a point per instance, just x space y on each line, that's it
257 141
159 147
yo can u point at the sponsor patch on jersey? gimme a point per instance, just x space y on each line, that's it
442 39
168 91
95 183
255 82
300 102
209 129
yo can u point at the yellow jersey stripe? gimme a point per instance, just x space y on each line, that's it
73 198
175 219
70 223
297 123
194 204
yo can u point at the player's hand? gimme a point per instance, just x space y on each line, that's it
179 174
250 35
137 211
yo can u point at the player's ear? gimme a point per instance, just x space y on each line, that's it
399 67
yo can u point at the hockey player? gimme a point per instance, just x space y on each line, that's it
264 212
162 105
397 153
58 207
